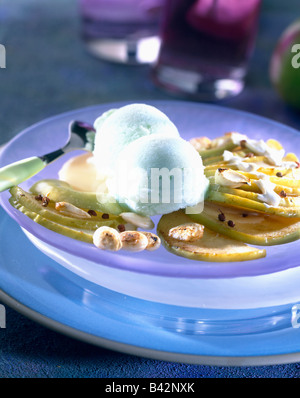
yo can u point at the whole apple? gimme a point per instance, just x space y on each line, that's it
285 65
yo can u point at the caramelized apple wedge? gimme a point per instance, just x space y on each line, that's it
208 148
25 201
289 206
72 232
212 246
59 191
248 226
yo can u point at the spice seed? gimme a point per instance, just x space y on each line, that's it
45 201
92 213
121 228
105 216
231 223
282 194
221 216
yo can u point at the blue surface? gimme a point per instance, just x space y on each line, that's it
57 298
49 289
49 72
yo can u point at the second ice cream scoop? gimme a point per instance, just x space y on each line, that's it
158 174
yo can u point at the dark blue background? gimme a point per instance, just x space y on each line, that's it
48 72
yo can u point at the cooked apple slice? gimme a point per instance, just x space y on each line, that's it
217 161
213 161
214 148
282 177
201 143
26 201
211 247
74 233
291 176
289 206
291 157
274 144
59 191
248 226
230 178
289 185
253 187
216 152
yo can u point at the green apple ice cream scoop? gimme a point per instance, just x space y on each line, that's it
81 136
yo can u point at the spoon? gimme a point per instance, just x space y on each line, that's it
17 172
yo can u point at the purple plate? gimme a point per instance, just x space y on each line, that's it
192 119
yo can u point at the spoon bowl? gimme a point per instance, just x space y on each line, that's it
80 137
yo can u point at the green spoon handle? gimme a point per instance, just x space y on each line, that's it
15 173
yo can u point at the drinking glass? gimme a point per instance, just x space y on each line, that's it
206 46
123 31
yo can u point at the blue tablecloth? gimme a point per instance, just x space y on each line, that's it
48 71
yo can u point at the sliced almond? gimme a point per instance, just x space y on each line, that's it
220 141
138 220
231 136
230 178
107 238
133 241
153 241
236 137
70 210
201 143
188 232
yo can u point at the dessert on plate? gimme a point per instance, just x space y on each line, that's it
220 199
